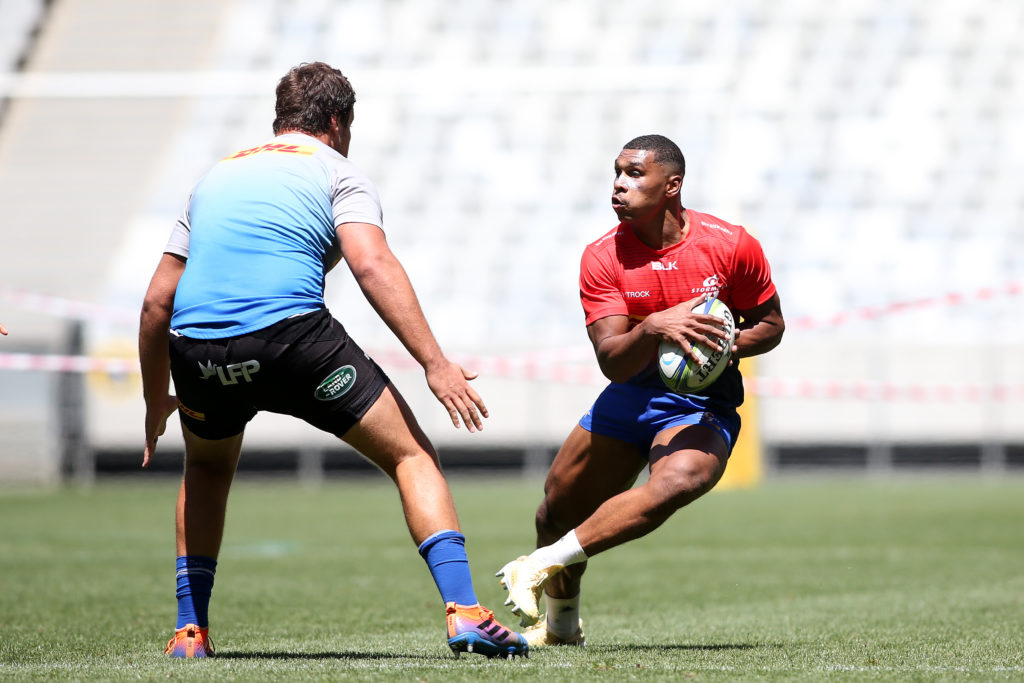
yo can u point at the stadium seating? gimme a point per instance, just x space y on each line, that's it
19 21
853 139
875 148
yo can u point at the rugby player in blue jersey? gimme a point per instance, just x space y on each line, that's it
235 313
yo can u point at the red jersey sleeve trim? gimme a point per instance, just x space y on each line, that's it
604 312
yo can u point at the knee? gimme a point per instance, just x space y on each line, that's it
418 460
549 523
679 486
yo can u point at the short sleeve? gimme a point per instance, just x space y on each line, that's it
599 288
178 242
354 199
752 275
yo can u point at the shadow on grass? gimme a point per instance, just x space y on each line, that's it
321 655
668 647
619 649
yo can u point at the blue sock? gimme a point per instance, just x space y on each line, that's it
445 553
195 583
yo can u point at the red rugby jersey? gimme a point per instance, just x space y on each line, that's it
620 275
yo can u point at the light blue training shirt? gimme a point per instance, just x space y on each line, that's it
258 231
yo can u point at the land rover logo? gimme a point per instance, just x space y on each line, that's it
336 384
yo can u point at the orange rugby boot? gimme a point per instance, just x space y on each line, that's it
190 641
473 628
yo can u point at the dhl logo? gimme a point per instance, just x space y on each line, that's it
303 150
194 414
635 319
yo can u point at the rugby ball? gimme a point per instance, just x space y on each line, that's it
683 375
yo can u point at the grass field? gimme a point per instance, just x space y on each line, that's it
916 578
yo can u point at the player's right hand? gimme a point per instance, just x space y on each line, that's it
450 384
156 423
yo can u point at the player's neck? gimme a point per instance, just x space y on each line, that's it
323 137
668 230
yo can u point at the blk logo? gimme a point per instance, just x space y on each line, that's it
230 374
658 265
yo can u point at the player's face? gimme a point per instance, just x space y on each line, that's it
641 186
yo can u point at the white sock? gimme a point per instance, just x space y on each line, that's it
563 615
563 552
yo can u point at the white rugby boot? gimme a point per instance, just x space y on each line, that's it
524 580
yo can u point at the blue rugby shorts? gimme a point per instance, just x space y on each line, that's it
636 413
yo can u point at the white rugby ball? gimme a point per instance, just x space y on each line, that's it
683 375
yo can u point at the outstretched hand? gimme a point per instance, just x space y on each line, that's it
156 424
450 384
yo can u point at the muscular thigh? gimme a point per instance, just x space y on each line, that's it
588 470
388 432
688 460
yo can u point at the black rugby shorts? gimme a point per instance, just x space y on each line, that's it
306 366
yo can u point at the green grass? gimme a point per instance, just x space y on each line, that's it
916 578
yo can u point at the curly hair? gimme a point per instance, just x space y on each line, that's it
309 95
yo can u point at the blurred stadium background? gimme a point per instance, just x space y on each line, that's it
875 147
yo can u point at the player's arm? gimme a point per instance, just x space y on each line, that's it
613 341
623 352
760 328
153 355
387 287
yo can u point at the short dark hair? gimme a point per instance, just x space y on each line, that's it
309 95
666 152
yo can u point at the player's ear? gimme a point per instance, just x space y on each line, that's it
674 185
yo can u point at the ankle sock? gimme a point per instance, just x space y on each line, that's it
563 615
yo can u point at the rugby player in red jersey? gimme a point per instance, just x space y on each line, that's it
639 284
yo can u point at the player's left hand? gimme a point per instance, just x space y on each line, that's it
450 384
735 346
156 424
